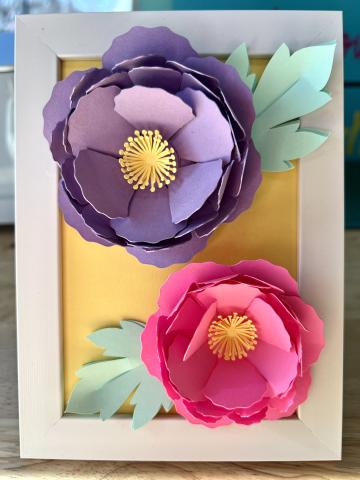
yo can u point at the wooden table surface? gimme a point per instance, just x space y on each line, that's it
13 467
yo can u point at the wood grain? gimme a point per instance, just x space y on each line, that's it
13 467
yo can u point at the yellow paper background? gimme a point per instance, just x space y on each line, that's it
102 285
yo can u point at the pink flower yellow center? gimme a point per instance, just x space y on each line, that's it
147 160
232 337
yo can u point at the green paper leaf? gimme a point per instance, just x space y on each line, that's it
147 399
240 60
119 342
93 376
288 142
104 386
290 87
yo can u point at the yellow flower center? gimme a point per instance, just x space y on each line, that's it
147 160
232 337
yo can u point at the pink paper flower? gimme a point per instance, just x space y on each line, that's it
232 343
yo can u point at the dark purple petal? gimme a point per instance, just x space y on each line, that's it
168 256
74 219
208 136
251 182
95 125
140 61
144 41
149 218
160 77
153 108
121 80
92 76
191 188
57 145
102 183
58 107
231 206
71 184
235 90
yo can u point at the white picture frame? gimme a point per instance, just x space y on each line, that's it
45 432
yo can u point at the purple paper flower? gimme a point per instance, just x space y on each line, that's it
154 148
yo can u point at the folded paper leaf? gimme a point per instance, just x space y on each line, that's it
240 60
104 386
290 87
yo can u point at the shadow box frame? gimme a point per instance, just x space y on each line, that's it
42 41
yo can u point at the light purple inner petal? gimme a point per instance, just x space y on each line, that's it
153 108
103 184
192 186
95 125
142 41
149 218
236 92
208 136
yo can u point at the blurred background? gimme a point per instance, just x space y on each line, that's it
10 8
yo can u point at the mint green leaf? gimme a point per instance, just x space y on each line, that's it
104 386
240 60
115 392
290 87
84 398
148 399
283 70
120 342
288 142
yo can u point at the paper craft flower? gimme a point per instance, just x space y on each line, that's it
232 343
154 148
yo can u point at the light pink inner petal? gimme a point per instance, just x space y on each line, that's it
277 366
230 297
235 384
270 327
208 136
153 108
95 125
201 333
103 184
189 377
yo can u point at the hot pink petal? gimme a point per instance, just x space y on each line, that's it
187 317
189 377
201 333
235 384
270 327
277 366
184 411
178 282
301 388
149 352
313 337
269 273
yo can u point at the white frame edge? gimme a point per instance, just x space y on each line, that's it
44 431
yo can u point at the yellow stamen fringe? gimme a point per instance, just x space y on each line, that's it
147 160
232 337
